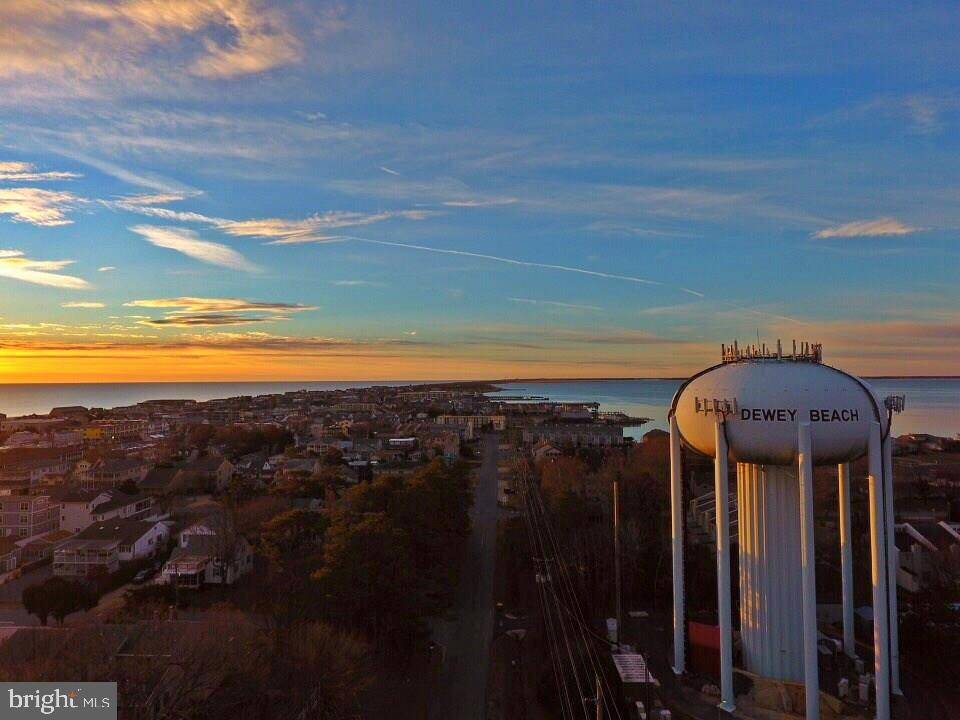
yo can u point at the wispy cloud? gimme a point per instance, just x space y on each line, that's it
187 242
314 228
278 231
106 268
612 227
14 171
357 283
389 171
445 191
924 113
202 304
137 178
543 336
14 264
82 305
208 320
482 202
555 304
46 208
105 40
211 312
148 205
868 228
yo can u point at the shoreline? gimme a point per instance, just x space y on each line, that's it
395 383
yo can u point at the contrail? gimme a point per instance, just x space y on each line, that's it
528 263
581 271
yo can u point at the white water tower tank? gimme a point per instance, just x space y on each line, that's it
768 398
756 409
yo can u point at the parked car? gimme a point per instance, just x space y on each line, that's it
141 577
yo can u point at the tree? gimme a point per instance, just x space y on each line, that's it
392 551
36 602
250 516
368 577
58 598
307 485
228 667
240 490
291 534
129 487
332 456
199 436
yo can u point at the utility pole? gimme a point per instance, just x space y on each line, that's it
616 556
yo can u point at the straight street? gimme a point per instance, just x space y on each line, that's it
464 636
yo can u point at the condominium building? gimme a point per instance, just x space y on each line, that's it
27 515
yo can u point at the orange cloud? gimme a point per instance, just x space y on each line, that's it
98 39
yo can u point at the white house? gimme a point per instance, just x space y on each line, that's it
102 547
79 510
209 552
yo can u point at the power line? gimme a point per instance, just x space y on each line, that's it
590 660
573 607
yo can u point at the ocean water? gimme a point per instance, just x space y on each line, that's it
932 404
42 397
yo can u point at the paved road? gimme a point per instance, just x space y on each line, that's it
460 690
12 612
10 592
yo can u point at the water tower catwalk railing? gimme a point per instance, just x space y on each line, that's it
778 610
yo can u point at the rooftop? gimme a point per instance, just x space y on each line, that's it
124 531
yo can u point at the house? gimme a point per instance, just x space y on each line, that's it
115 503
926 552
42 547
210 471
81 508
471 425
25 438
9 554
73 412
445 445
575 434
76 508
545 451
102 547
24 516
65 437
109 431
110 472
24 468
208 552
159 480
304 466
254 466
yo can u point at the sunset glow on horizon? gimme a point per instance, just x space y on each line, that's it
258 190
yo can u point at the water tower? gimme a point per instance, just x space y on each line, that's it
777 415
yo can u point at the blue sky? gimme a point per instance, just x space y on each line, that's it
434 190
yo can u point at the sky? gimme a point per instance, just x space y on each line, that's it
300 190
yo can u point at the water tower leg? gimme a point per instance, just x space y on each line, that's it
811 677
892 563
676 532
846 559
878 570
721 484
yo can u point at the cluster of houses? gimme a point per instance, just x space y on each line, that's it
91 489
